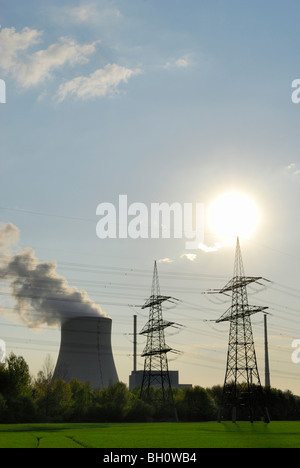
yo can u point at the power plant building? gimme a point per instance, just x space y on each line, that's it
136 377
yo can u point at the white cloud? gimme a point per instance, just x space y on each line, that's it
103 82
41 64
216 246
81 14
293 171
12 44
165 260
32 69
182 62
91 13
189 256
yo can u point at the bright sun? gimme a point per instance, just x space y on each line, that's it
233 214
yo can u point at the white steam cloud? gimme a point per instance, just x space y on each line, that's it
42 296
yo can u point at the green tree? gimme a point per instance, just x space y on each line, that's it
42 388
114 402
195 404
18 379
60 400
15 384
4 411
82 400
139 411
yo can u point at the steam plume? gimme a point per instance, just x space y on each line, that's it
42 296
9 234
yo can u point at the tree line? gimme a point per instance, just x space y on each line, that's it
24 399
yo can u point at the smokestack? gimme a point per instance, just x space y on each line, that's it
267 367
85 352
134 342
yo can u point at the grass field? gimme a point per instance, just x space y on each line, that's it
155 435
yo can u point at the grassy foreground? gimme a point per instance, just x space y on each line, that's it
154 435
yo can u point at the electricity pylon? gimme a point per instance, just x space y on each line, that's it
242 387
156 371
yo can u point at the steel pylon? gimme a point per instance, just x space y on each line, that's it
156 371
242 391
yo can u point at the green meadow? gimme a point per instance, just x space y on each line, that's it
152 435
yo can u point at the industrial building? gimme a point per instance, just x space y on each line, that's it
136 377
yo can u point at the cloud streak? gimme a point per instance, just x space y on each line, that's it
31 69
217 246
101 83
13 44
90 13
293 171
40 66
181 62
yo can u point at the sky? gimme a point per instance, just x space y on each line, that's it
173 101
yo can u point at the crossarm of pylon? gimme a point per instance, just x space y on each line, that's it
155 300
151 327
236 283
239 282
231 314
155 351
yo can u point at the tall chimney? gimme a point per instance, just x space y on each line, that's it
134 342
85 352
267 367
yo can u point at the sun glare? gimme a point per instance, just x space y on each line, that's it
232 215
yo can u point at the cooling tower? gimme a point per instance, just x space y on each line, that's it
86 353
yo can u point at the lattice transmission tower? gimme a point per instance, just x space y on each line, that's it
156 371
242 389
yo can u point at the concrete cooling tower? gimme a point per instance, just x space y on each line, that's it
86 353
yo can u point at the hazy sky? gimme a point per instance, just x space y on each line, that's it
164 101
